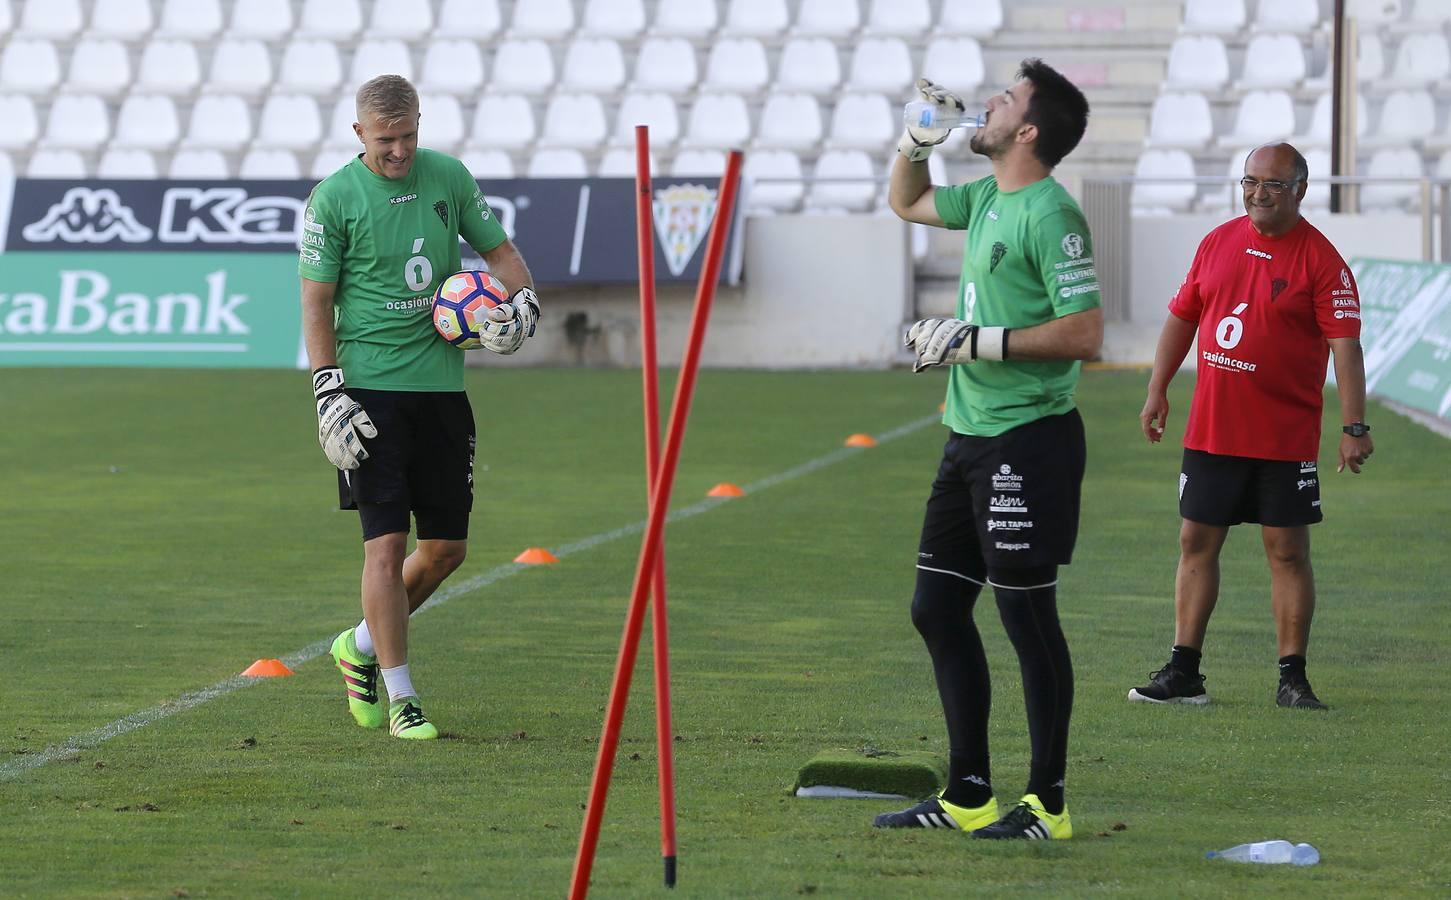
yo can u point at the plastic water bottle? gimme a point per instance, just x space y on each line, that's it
1271 852
922 114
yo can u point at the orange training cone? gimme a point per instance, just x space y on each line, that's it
861 440
267 668
536 556
725 489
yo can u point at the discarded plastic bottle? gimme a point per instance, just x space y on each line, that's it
923 114
1272 852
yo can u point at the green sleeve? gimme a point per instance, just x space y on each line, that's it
954 205
322 241
476 222
1064 253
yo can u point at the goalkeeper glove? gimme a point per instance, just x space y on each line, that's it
917 143
947 342
505 332
340 419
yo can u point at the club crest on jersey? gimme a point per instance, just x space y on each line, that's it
999 251
1276 286
1345 279
1072 245
682 217
441 207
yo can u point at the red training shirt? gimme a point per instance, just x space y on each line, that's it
1265 307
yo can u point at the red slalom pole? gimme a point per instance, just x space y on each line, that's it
659 621
650 545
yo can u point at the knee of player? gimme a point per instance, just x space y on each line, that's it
449 557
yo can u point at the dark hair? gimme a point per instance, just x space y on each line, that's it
1057 107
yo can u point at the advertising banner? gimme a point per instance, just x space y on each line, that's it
1406 332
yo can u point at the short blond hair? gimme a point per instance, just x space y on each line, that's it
389 97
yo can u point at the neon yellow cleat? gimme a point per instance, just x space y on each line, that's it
406 720
934 812
360 675
1029 821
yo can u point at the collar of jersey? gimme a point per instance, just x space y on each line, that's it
392 185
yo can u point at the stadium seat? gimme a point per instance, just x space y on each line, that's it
45 163
333 19
1224 17
1392 163
1318 134
263 20
240 67
124 20
1370 64
789 122
736 64
310 67
55 20
7 21
830 190
864 122
168 67
756 18
1421 60
1163 197
557 163
827 18
665 64
718 121
898 18
698 163
77 122
99 67
1197 62
1180 120
29 67
613 18
574 120
549 20
808 64
1293 16
684 18
402 20
522 67
488 163
340 134
289 122
127 164
619 162
1272 61
1405 116
593 65
975 18
476 19
329 160
22 126
147 122
1372 14
1433 13
452 67
219 121
190 20
275 164
773 181
502 121
1443 166
1262 116
381 57
199 164
654 110
1317 195
881 64
955 63
442 124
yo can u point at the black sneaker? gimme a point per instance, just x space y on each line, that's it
1297 694
1029 821
934 812
1171 685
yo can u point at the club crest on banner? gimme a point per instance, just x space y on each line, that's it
682 217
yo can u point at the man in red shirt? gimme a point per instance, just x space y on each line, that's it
1271 299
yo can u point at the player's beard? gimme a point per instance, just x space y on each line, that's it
982 145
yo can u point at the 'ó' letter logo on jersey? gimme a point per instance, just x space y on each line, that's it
1072 245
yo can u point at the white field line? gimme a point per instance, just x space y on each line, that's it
91 739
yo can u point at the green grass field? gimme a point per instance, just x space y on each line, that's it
164 529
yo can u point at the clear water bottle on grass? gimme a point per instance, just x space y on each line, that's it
923 114
1270 852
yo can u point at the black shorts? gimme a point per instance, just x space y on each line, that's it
1228 490
1009 501
422 461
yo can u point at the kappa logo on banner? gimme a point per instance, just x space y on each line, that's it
87 216
227 215
682 217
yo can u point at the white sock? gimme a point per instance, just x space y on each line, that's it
399 683
364 639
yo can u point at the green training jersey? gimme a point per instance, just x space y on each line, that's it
1028 259
387 243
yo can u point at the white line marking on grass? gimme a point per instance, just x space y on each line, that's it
91 739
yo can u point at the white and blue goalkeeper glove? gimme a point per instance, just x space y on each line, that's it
506 333
948 342
917 143
340 419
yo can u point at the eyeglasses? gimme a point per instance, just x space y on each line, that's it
1274 188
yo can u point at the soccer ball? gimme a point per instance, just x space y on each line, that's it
462 303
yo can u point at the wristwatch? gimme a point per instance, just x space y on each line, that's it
1356 429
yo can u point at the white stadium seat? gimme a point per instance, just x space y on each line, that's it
1180 120
1197 62
334 19
127 164
441 125
22 126
198 164
557 163
808 64
403 20
276 164
736 64
382 57
685 18
790 122
1435 13
290 122
240 67
1164 196
125 20
1262 116
168 67
1317 195
147 122
574 120
310 67
488 163
1293 16
1318 134
99 67
1272 61
452 67
546 19
718 121
613 18
329 159
522 67
263 20
955 63
478 19
698 163
1421 60
898 18
192 20
619 162
828 190
7 21
1392 163
1214 16
77 122
864 122
756 18
57 20
1370 63
29 67
773 179
593 65
1373 13
502 120
219 121
1443 166
977 18
656 111
1405 116
665 64
56 164
881 64
827 18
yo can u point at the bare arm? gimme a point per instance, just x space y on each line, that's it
1350 383
508 266
1074 336
910 193
1174 343
317 322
